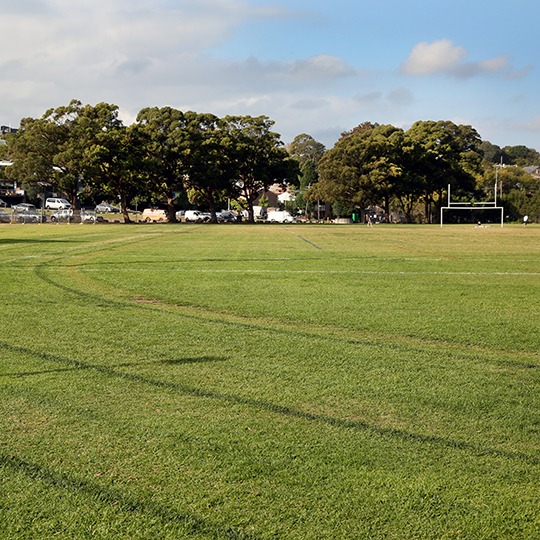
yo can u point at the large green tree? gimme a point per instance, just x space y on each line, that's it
168 138
213 172
53 148
451 155
522 156
258 155
361 169
116 163
308 178
493 153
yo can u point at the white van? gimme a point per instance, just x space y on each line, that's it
56 204
152 215
260 212
280 216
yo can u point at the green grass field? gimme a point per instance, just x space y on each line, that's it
294 382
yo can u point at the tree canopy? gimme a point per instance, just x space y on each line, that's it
305 148
169 154
166 152
259 157
374 164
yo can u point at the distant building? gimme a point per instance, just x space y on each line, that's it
7 129
533 171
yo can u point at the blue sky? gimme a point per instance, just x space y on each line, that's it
315 67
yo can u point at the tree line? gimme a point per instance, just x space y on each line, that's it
409 171
164 155
169 157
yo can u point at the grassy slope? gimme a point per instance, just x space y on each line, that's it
291 382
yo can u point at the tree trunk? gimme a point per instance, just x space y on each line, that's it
124 208
170 208
386 209
212 205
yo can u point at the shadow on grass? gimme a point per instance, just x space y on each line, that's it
356 425
194 360
125 503
5 241
33 373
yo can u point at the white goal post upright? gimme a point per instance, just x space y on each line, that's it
487 205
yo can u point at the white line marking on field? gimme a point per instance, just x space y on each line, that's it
281 271
86 246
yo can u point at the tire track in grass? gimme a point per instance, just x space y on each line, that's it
96 244
126 503
360 426
257 323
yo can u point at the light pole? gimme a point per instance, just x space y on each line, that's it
496 180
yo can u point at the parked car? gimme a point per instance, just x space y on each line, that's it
152 215
280 216
31 216
180 215
196 216
56 204
23 207
89 216
62 215
105 208
226 216
4 217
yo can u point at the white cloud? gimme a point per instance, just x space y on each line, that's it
437 57
444 57
495 65
322 66
63 34
519 73
133 52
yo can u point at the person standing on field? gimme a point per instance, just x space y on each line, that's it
525 220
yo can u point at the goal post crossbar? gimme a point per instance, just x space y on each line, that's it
481 205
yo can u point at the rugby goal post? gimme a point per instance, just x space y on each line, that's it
486 205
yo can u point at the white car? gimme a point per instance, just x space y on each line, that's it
56 204
62 215
196 216
23 207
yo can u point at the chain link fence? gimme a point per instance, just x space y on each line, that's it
56 216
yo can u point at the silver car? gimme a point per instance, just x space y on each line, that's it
23 207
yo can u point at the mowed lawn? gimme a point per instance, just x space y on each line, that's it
266 381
